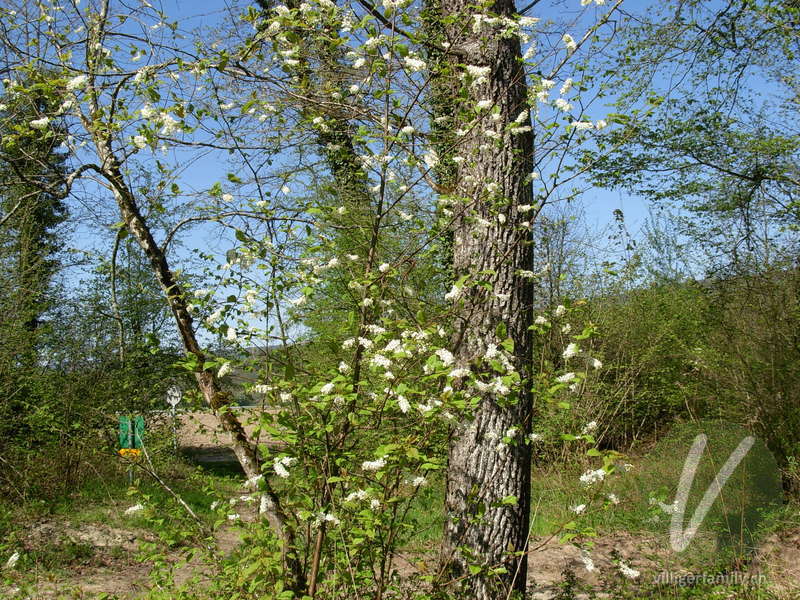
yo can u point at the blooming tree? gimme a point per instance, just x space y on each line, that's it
368 142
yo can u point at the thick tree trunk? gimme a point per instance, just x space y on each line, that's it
488 487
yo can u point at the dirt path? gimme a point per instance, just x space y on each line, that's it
114 571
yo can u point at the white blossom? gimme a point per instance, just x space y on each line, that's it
357 495
12 561
454 293
627 571
134 509
590 477
587 561
590 427
344 368
234 517
478 72
77 83
419 481
403 404
566 377
40 123
563 105
414 63
578 509
140 141
374 465
560 311
251 483
224 370
214 317
280 465
445 356
327 389
384 267
569 42
540 320
566 87
169 124
379 360
571 351
431 158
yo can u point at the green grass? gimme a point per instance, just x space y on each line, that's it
102 500
426 516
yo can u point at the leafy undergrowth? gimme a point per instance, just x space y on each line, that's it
86 546
97 531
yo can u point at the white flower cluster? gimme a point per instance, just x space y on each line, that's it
134 509
356 496
479 75
587 561
77 83
374 465
628 571
224 370
569 43
40 123
282 464
590 477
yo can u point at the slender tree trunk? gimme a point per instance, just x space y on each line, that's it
219 400
488 486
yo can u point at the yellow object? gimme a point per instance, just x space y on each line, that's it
130 453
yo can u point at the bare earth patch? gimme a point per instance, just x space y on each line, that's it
122 576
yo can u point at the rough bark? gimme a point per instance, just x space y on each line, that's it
492 184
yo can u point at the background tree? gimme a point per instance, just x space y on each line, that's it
32 169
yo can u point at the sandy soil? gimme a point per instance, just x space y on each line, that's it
201 429
127 579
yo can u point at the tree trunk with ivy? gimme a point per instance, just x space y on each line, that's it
488 482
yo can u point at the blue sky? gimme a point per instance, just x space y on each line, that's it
597 205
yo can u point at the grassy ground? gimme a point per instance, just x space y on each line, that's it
101 503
